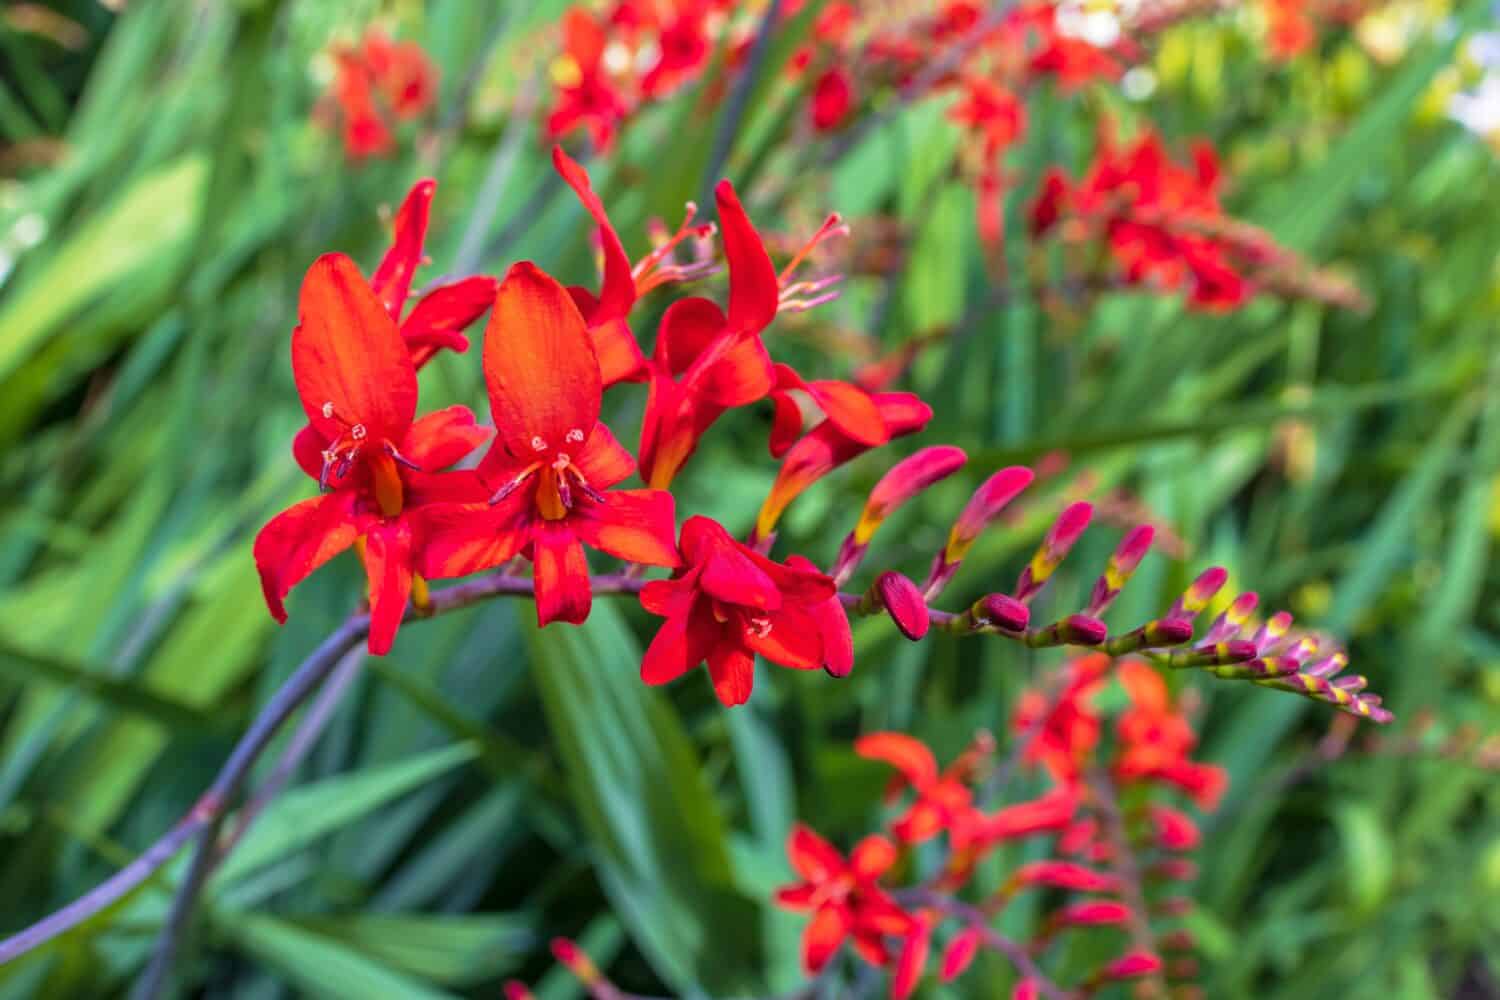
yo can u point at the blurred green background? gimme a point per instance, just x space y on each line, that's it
162 190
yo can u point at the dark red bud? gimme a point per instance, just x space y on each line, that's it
1002 611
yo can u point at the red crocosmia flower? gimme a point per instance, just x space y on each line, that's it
992 111
943 800
833 625
1070 726
832 99
827 446
551 462
1156 741
438 319
364 130
359 388
708 360
851 409
405 76
586 95
684 48
729 603
844 896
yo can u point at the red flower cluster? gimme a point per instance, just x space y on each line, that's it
1099 851
1161 220
376 84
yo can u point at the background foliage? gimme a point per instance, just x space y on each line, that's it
489 785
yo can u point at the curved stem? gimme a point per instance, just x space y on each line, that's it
205 821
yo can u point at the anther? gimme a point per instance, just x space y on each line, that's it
758 627
358 432
537 444
574 436
328 410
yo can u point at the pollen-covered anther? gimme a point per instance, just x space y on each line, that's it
328 410
358 432
758 627
574 436
537 444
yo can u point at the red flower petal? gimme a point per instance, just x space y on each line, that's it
754 291
872 857
439 439
732 670
563 590
905 753
824 933
539 365
440 317
812 857
346 351
459 539
687 328
682 642
617 292
388 566
307 449
604 460
392 280
791 640
913 960
635 525
302 538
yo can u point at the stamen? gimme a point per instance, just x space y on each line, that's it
832 226
513 485
401 459
328 410
574 436
564 491
537 444
758 627
358 432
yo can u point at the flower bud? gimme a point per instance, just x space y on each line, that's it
1199 593
1093 913
903 602
1131 966
1000 611
1173 830
1063 875
567 953
1060 538
1233 618
1122 565
959 954
905 480
1075 630
983 507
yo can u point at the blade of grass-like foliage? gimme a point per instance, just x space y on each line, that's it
27 665
306 814
320 966
149 222
451 950
659 839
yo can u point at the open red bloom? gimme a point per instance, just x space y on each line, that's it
845 898
586 95
708 360
551 463
1069 724
943 801
358 386
730 603
1156 740
374 82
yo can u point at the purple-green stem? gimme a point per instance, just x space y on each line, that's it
205 820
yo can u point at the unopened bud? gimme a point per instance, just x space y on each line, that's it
903 602
567 953
1000 611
